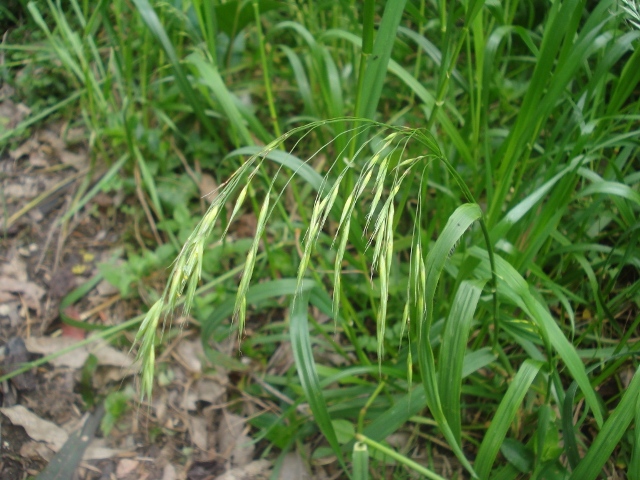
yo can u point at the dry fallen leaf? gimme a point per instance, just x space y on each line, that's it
169 472
31 293
208 187
36 427
210 391
293 468
198 432
233 444
398 440
24 149
125 467
190 353
106 354
11 114
16 354
14 267
190 401
97 450
35 450
76 160
257 470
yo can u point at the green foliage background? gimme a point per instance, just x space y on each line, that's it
454 185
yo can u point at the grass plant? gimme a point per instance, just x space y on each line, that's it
456 190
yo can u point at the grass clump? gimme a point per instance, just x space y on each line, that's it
476 253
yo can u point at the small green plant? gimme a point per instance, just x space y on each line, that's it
129 274
115 405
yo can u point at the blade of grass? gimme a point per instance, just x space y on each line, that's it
303 169
376 68
416 467
452 351
457 224
210 76
104 180
612 431
504 416
516 289
360 461
152 21
307 372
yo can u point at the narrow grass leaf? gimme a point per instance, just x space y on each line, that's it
415 401
612 431
235 15
307 372
477 360
626 85
568 429
457 224
516 289
504 416
377 62
104 180
525 206
420 469
432 51
452 351
611 188
559 26
299 167
394 67
360 461
304 88
210 76
634 464
152 21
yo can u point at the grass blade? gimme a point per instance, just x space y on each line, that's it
504 416
300 168
516 289
452 351
457 224
360 461
376 69
614 428
152 21
307 372
210 76
416 467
